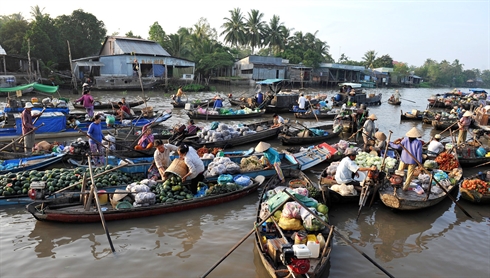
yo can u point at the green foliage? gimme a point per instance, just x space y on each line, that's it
12 33
157 34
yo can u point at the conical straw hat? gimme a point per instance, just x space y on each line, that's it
262 146
414 133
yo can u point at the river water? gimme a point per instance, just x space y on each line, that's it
435 242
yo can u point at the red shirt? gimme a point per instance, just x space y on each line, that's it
126 109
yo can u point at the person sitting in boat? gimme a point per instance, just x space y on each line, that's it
179 94
348 169
147 139
123 111
278 121
179 131
192 129
72 122
392 98
454 110
301 102
271 158
414 146
435 147
380 143
162 156
218 103
123 100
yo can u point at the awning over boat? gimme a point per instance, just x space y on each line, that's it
89 64
36 86
478 90
269 81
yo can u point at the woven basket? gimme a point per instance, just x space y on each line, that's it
297 183
178 168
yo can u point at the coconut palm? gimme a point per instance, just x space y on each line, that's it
369 58
255 29
234 28
276 33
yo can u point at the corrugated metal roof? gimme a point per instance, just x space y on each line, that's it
141 47
90 63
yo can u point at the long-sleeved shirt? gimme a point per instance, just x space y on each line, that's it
95 131
272 156
27 125
464 123
87 99
414 147
194 163
346 168
369 128
162 159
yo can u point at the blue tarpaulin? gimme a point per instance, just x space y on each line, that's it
53 122
158 70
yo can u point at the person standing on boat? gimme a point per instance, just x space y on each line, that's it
278 121
161 156
218 103
414 146
396 95
179 94
195 165
369 130
87 101
28 126
302 102
272 158
95 141
259 97
435 147
464 124
348 169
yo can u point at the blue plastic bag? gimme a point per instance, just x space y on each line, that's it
224 179
242 180
201 192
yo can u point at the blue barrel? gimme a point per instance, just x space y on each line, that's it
338 97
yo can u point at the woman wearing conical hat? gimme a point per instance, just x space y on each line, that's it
273 158
414 146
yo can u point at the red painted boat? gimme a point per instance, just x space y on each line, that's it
70 209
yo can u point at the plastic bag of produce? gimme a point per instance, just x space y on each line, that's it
224 179
214 125
440 175
145 197
291 210
301 191
290 224
264 210
312 224
430 164
242 180
137 187
201 191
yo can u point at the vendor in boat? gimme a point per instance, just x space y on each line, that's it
179 94
435 146
218 102
414 146
123 111
162 156
72 122
348 169
95 140
87 101
277 121
369 131
272 158
259 98
123 100
28 126
192 129
147 139
301 102
463 124
396 95
380 143
195 165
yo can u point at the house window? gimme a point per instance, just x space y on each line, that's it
248 71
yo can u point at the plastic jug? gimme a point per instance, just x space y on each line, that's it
314 246
321 240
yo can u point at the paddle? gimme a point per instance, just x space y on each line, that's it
142 133
312 110
338 234
441 133
381 168
407 100
354 134
110 151
38 116
438 184
21 137
97 202
314 134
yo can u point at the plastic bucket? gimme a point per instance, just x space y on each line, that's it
34 100
103 199
178 168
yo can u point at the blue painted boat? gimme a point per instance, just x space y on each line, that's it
29 163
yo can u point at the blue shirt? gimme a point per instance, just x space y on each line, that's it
272 156
95 131
218 103
260 98
414 147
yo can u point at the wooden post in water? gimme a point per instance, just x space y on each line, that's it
73 77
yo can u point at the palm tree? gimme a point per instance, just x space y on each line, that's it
275 34
37 12
369 58
255 29
234 28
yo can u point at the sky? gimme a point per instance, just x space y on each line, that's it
408 31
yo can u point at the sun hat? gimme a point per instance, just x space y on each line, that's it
438 136
262 147
414 133
372 117
380 136
28 105
85 84
350 151
467 114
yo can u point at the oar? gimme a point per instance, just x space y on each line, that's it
408 100
110 151
94 187
314 134
441 133
338 234
21 137
244 238
381 168
354 134
38 116
142 133
438 184
312 110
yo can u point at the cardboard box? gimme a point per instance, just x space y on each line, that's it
274 247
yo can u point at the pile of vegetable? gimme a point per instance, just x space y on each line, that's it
216 189
447 161
172 190
364 159
251 163
202 151
476 184
56 179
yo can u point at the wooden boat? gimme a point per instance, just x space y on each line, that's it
111 105
292 137
394 102
410 116
358 98
443 125
265 132
269 238
195 115
409 200
474 196
70 209
29 163
467 156
315 155
331 114
194 104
